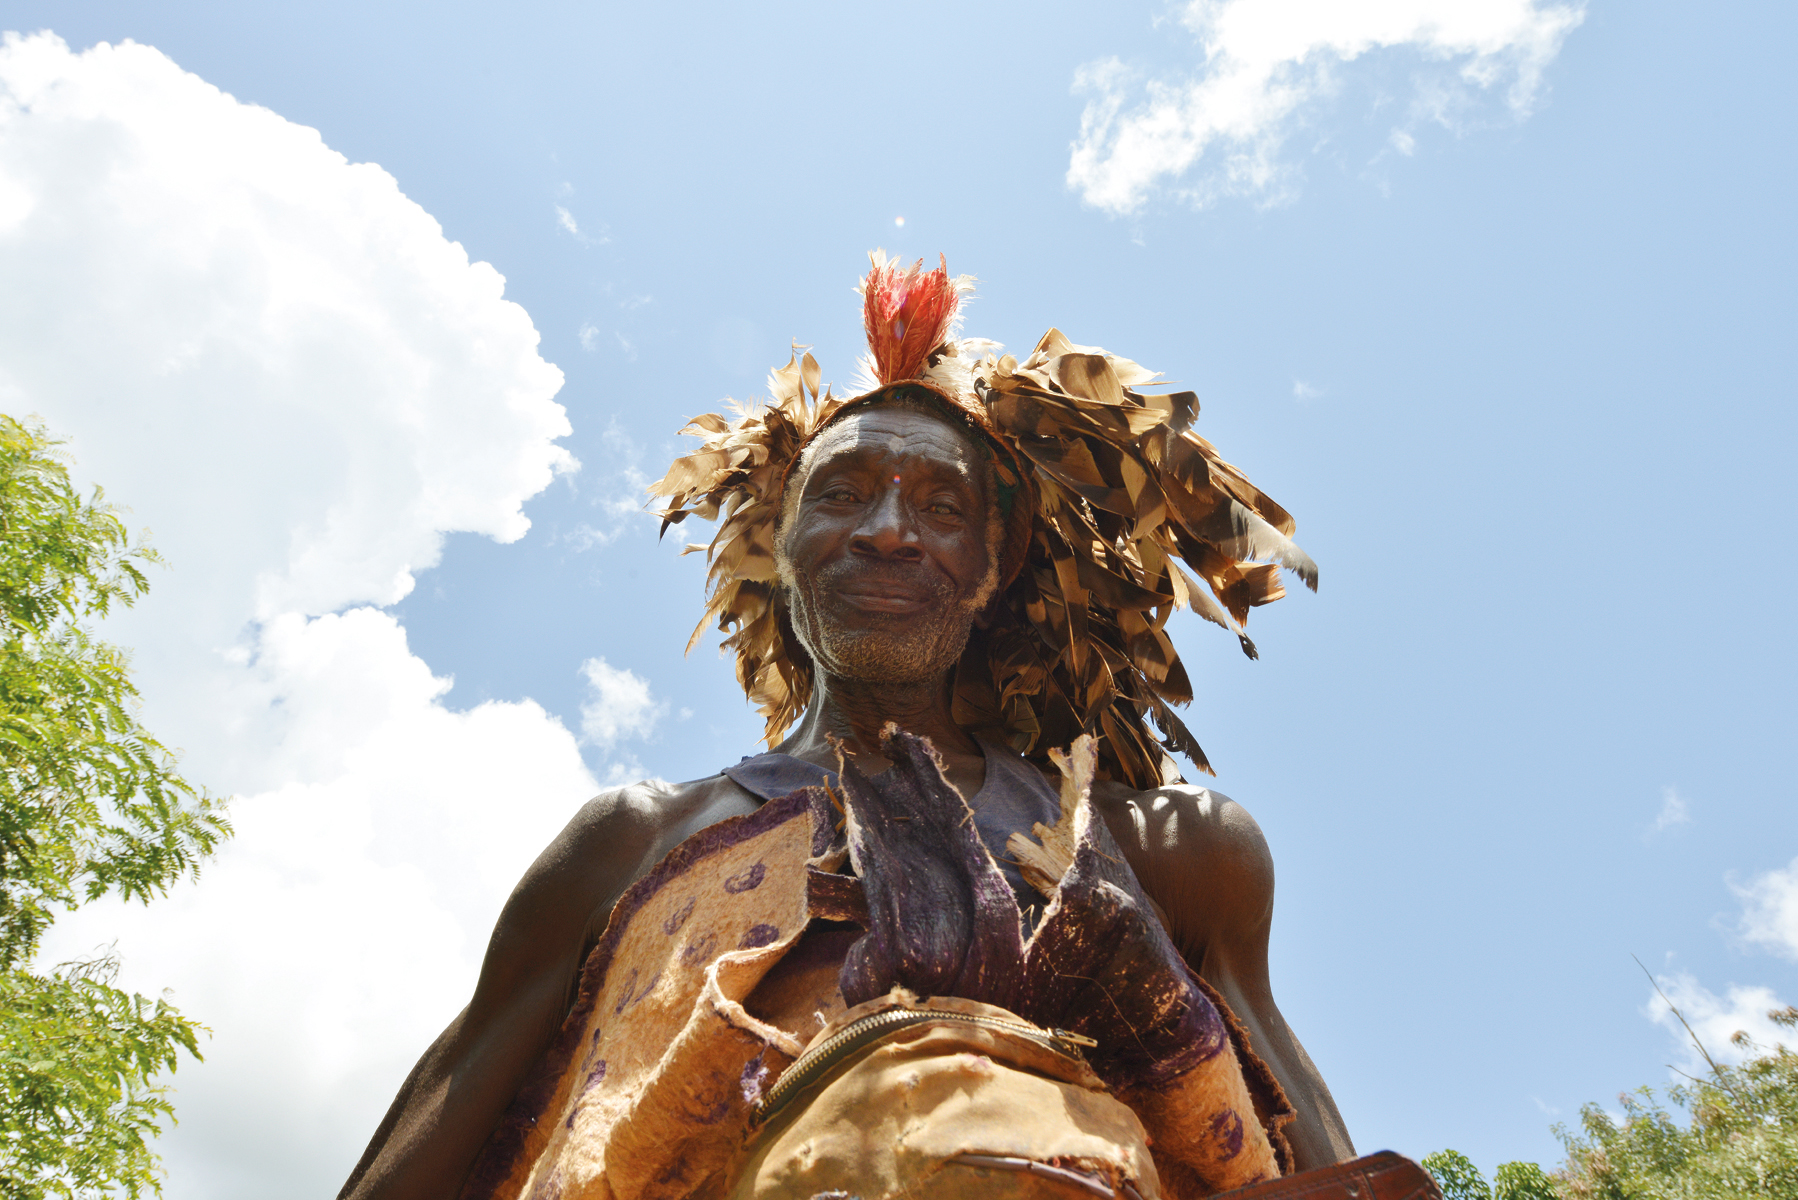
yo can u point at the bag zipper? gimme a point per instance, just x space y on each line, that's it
810 1066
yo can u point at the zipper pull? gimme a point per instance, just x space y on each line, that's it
1071 1038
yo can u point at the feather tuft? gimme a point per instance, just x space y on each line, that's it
908 313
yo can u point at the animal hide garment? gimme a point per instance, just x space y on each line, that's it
718 969
650 1085
943 921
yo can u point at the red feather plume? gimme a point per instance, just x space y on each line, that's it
908 314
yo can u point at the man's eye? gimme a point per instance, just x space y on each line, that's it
946 507
841 495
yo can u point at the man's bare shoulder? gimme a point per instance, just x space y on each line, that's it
1199 827
650 817
611 842
1197 852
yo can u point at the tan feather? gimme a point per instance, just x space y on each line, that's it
1043 862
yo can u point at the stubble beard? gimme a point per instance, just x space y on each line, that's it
920 649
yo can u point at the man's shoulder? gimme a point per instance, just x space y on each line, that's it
1179 796
1184 840
1180 808
659 813
612 841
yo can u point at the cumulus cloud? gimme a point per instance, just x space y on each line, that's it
300 386
1267 63
618 704
1770 910
1714 1019
343 926
340 372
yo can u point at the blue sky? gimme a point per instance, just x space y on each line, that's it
1515 349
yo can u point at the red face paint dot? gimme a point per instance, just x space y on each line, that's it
895 479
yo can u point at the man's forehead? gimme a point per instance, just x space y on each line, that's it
900 432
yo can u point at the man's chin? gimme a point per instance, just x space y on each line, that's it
891 656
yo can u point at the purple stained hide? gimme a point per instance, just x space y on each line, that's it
1101 964
754 1077
747 881
1227 1128
672 925
942 921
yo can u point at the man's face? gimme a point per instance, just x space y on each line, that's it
885 557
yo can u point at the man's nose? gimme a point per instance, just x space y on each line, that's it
887 529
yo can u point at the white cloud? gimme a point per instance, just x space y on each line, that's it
1304 391
1770 916
344 925
618 490
589 336
566 220
1714 1019
1267 63
1770 919
618 705
285 370
1674 811
192 259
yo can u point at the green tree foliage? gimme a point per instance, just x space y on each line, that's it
1522 1181
1456 1175
1739 1141
1459 1179
90 805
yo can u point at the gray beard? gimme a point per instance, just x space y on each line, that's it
921 650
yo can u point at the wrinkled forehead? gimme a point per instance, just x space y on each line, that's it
901 436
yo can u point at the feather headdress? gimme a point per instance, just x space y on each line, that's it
1109 492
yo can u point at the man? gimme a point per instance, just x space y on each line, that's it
895 528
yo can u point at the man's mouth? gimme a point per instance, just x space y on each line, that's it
884 598
883 590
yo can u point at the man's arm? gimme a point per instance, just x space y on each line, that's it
455 1096
1204 860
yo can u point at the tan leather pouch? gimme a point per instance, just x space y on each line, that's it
946 1098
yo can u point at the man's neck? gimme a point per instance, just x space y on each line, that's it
853 713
